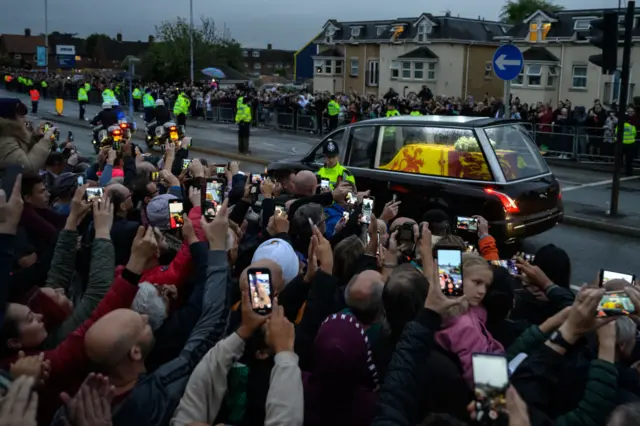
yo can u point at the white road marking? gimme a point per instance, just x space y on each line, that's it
599 183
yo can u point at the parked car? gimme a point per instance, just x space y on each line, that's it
463 165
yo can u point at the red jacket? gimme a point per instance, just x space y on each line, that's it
69 362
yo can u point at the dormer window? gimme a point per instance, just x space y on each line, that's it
538 31
355 31
328 35
380 31
424 29
397 31
582 24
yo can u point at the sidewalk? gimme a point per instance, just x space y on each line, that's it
588 207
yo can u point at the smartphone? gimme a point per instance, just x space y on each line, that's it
606 275
367 209
176 210
324 184
8 175
220 169
185 163
155 176
280 209
256 179
351 198
92 193
212 197
80 180
526 256
379 244
260 290
346 216
615 303
491 380
450 272
510 265
464 223
405 234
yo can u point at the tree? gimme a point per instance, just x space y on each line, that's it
92 45
168 58
516 11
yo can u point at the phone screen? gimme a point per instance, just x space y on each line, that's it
491 379
465 223
280 209
155 176
351 198
260 290
615 303
256 179
324 184
509 265
185 163
93 193
405 234
346 216
213 197
606 275
220 169
176 210
367 210
80 180
450 272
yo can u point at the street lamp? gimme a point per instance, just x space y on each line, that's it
190 35
46 36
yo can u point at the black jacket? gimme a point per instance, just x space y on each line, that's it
161 115
106 117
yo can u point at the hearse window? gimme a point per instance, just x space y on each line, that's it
435 151
519 157
338 138
363 146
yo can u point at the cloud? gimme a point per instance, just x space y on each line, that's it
286 24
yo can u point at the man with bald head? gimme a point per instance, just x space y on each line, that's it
119 342
305 183
363 297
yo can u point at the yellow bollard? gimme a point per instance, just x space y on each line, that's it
59 106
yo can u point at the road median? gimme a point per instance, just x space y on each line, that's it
591 217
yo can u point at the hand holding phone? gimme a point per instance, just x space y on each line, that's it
212 197
260 290
615 303
465 223
450 272
491 380
606 275
176 212
91 194
367 210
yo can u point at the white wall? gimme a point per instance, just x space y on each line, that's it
449 69
325 83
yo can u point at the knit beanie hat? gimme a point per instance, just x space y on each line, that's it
158 211
280 252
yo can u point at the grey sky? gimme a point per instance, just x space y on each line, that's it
287 24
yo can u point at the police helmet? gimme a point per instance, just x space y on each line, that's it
107 105
159 102
330 148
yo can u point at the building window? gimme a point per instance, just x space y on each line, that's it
353 69
327 66
418 70
488 67
533 75
582 24
538 31
423 30
406 70
579 76
339 65
552 74
395 69
317 64
328 35
431 71
355 32
245 53
257 66
519 79
255 54
380 31
373 76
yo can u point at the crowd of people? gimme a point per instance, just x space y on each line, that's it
113 312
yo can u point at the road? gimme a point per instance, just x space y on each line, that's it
588 249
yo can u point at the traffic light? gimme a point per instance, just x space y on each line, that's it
604 35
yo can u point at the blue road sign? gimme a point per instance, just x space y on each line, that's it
507 62
41 56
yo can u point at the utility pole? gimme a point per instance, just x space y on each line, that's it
46 35
191 37
622 106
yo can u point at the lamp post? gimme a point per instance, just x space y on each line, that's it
190 35
46 35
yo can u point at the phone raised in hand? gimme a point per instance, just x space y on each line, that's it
606 275
185 163
367 210
212 197
491 380
280 209
465 223
260 290
221 169
450 272
176 211
91 194
8 175
615 303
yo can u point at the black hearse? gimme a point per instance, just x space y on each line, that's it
463 165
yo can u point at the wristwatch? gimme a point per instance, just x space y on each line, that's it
557 339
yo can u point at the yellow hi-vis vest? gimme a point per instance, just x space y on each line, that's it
629 134
333 108
334 173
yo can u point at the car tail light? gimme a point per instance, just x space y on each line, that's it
508 204
117 132
173 128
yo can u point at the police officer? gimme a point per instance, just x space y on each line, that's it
148 104
629 144
137 97
243 119
181 109
83 99
333 170
391 110
333 110
415 111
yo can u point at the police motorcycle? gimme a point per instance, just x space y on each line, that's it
157 136
113 137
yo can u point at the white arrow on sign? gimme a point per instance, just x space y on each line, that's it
502 62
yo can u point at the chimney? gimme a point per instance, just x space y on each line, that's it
27 32
119 38
269 46
151 39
